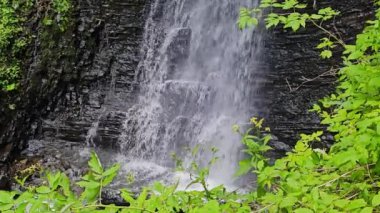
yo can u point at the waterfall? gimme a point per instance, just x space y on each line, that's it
196 80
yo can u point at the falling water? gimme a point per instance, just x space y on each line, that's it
196 81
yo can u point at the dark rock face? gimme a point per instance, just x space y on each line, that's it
77 80
298 77
107 56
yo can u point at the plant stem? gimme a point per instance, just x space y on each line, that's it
340 41
114 207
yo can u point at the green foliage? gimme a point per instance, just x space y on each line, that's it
292 17
12 42
346 177
256 145
57 195
61 11
246 19
15 37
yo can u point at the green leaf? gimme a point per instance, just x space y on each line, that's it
6 197
5 207
303 210
66 207
112 171
11 87
289 4
355 204
90 194
316 17
326 54
295 25
43 190
272 20
88 184
47 21
367 210
341 203
246 20
355 55
288 202
260 165
111 175
142 197
244 167
127 196
376 200
378 129
53 179
64 182
374 82
95 164
301 6
212 207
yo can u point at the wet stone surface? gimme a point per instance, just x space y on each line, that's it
293 59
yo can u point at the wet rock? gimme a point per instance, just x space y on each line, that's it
109 128
113 197
279 146
5 180
178 48
292 58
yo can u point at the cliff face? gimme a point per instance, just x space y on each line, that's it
85 79
69 77
298 77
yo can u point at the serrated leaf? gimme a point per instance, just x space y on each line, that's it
142 197
113 170
326 54
95 164
127 196
108 179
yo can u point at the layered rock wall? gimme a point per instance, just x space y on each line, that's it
298 77
76 79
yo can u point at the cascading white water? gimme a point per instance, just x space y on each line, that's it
196 81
